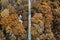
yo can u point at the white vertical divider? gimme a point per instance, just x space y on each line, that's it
29 20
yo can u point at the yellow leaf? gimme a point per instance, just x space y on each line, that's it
5 13
19 1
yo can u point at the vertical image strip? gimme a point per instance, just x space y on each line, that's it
13 19
29 20
45 20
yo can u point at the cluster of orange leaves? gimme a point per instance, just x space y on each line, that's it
12 22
